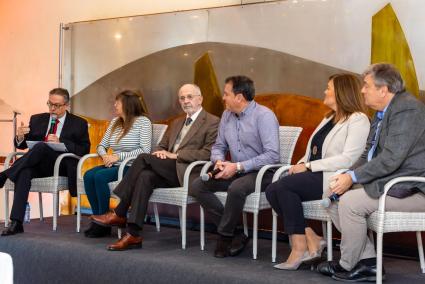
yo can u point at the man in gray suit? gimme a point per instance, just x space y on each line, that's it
395 147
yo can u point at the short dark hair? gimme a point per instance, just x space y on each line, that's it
61 92
385 74
242 85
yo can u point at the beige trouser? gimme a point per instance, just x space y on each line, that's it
349 216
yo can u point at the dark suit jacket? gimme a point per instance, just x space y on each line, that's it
74 135
400 150
196 145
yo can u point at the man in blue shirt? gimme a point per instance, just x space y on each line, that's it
249 133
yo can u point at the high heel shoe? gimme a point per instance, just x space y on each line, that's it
317 255
292 266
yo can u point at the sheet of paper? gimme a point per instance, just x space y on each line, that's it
59 147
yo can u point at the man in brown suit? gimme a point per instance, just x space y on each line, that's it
188 138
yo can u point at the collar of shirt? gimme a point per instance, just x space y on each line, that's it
248 109
61 119
195 115
380 114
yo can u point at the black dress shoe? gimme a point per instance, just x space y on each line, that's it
239 243
15 227
223 246
98 231
89 229
329 268
361 272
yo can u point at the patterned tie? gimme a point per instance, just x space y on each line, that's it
188 121
379 116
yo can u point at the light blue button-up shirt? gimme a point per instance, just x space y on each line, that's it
380 115
252 137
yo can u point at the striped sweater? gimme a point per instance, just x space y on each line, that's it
135 142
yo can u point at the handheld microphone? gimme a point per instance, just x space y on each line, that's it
52 123
326 202
211 174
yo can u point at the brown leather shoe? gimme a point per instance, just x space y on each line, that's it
109 219
127 242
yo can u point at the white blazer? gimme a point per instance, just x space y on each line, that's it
342 146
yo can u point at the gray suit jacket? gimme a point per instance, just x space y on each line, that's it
400 150
195 146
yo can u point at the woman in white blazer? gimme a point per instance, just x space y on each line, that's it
336 144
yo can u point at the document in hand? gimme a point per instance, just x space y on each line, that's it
59 147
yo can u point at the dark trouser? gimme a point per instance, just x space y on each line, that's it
145 174
287 194
36 163
97 189
238 188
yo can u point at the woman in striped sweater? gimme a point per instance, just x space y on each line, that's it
128 135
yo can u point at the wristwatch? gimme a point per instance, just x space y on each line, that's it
238 168
308 166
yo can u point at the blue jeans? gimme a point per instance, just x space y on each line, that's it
96 186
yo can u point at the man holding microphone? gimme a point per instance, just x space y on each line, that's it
56 126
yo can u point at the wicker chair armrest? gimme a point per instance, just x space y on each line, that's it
82 161
10 156
261 173
391 183
280 172
59 160
122 167
205 168
188 171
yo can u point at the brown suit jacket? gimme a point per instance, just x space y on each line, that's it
195 146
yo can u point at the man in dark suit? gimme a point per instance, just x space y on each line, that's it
395 147
188 138
57 126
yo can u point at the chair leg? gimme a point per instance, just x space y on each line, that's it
40 205
245 223
155 210
119 233
78 212
6 208
421 251
379 237
370 235
329 239
202 229
274 237
55 209
183 227
255 236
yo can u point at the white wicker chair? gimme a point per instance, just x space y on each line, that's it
384 222
158 131
53 184
312 210
177 196
256 201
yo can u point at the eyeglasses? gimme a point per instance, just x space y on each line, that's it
189 97
50 105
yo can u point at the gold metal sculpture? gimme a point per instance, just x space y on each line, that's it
206 79
390 45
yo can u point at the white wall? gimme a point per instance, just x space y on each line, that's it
29 36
